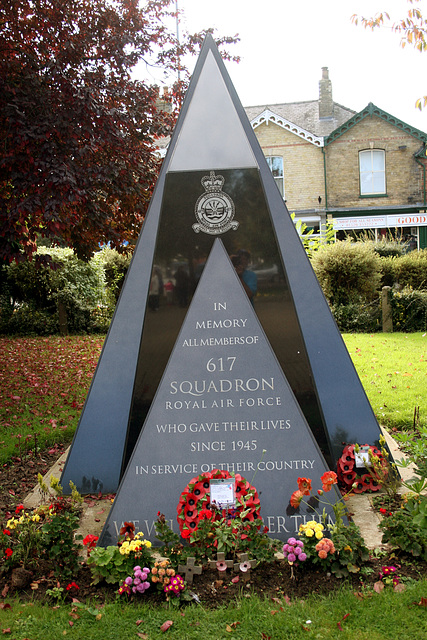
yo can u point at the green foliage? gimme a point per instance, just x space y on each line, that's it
409 310
311 244
387 247
59 541
350 550
115 267
406 528
358 317
347 271
37 291
113 566
46 533
232 535
410 270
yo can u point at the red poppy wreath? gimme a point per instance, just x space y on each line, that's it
347 473
194 502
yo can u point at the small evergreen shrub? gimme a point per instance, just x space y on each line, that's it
348 272
358 317
410 270
115 267
409 310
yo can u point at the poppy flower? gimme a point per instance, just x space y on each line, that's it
245 566
328 479
304 485
345 465
359 486
191 513
221 565
296 498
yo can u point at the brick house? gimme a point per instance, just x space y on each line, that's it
362 171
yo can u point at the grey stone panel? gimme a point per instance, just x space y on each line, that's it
223 403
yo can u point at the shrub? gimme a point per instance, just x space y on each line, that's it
358 317
32 293
408 270
348 271
409 310
115 267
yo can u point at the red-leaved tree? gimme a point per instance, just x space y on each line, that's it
77 132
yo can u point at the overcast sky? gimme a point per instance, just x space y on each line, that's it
284 44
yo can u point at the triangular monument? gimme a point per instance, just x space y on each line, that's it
215 182
223 403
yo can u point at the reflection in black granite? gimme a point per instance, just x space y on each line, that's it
181 253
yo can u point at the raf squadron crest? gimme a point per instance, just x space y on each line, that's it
214 209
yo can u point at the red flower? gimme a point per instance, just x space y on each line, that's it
205 514
128 530
8 552
328 479
72 585
186 533
304 485
296 498
90 541
19 508
6 532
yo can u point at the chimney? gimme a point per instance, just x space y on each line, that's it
326 104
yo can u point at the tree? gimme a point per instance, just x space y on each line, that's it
77 132
412 29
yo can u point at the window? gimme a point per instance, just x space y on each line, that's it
276 167
372 172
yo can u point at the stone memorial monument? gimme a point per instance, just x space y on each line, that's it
223 403
215 183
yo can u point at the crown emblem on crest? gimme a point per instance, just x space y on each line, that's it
214 209
212 182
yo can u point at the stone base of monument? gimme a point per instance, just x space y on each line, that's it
96 509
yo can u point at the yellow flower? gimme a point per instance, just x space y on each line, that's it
348 548
319 535
309 533
36 518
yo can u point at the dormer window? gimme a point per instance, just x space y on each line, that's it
372 172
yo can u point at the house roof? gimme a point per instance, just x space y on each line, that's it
372 110
305 115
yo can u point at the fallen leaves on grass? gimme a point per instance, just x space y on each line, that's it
231 626
165 626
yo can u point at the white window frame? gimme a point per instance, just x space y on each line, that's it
372 176
278 179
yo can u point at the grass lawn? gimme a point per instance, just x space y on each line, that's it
364 615
393 370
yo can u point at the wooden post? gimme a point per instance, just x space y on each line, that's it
386 310
63 326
